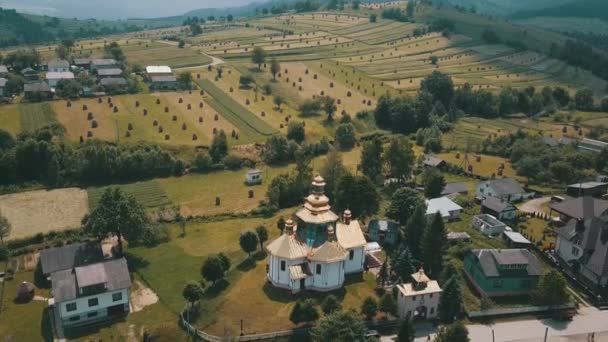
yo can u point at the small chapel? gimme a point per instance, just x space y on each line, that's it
317 250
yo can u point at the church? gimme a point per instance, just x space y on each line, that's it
317 250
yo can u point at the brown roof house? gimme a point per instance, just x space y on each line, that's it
579 208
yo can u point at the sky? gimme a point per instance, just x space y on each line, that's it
115 9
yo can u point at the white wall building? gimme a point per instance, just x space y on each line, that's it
419 299
448 209
319 251
53 78
506 189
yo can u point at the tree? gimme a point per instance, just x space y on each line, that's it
358 194
434 59
406 332
281 224
185 80
414 228
304 311
213 269
248 242
278 101
219 147
371 159
410 8
192 292
403 265
399 158
329 106
355 4
229 17
225 261
340 326
275 68
258 56
68 89
5 228
373 18
181 44
450 304
455 332
433 245
333 169
584 99
552 289
262 234
195 29
369 308
296 132
433 182
440 86
118 214
276 150
345 136
330 304
309 107
202 162
388 305
403 203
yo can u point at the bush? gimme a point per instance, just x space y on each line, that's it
202 163
233 162
4 253
345 136
155 235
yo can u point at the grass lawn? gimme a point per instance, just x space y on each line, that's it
167 55
10 119
36 115
147 193
487 166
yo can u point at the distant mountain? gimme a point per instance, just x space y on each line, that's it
574 8
506 7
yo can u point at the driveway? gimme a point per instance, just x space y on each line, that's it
534 205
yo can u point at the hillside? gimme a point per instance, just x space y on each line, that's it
579 8
506 7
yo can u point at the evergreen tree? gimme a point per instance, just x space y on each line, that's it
406 332
450 304
414 229
262 234
388 305
371 159
332 170
219 147
455 332
330 304
369 308
551 290
281 224
403 265
434 245
433 182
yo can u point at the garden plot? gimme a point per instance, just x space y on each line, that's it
362 99
41 211
321 20
167 54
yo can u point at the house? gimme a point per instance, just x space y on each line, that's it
507 189
83 63
515 239
58 65
37 91
52 78
2 86
85 285
583 244
30 74
163 82
502 272
459 188
318 251
113 82
549 141
431 161
108 73
578 208
253 177
3 70
591 145
449 210
384 231
489 225
498 208
594 189
418 299
158 70
103 63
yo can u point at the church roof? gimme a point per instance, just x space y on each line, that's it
330 251
350 236
287 246
325 217
298 271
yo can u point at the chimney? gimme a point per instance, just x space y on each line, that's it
289 227
347 217
331 233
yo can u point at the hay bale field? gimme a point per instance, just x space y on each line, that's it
41 211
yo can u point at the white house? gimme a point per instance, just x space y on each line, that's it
489 225
2 85
319 251
86 285
507 189
419 299
158 70
58 65
53 78
253 177
449 210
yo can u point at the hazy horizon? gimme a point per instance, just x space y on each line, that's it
114 9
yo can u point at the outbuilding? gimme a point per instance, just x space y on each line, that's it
594 189
53 78
253 177
448 209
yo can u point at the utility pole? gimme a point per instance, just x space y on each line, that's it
546 332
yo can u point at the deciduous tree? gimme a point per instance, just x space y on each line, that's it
433 182
5 228
455 332
258 56
219 147
371 159
340 326
248 242
551 290
330 304
262 234
403 203
304 311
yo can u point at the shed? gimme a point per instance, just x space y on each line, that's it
158 70
383 231
515 239
37 91
113 81
103 63
446 207
591 145
432 161
163 82
109 72
253 177
30 74
489 225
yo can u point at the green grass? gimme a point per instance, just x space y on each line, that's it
248 124
148 193
36 115
167 55
10 119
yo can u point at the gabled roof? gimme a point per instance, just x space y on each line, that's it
113 81
103 61
3 69
287 246
489 259
82 61
505 186
455 188
350 236
109 72
58 63
62 75
70 256
581 207
432 161
496 204
328 252
36 87
549 141
587 185
158 69
168 78
592 145
443 205
2 82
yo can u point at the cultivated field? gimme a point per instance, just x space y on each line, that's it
42 211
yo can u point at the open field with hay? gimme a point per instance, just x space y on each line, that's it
41 211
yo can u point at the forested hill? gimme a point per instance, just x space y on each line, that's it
504 7
575 8
16 28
